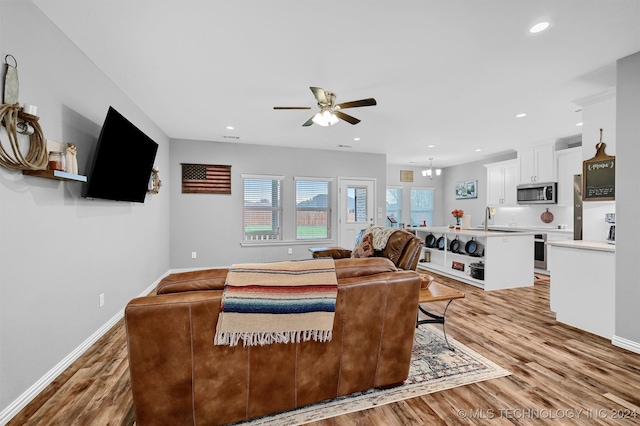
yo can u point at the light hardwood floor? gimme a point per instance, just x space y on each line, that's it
557 371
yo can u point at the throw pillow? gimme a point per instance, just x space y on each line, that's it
364 248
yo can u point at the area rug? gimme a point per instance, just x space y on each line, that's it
433 368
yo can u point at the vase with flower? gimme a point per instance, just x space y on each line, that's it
458 215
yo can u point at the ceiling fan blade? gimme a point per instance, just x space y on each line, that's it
355 104
292 108
309 122
321 97
347 118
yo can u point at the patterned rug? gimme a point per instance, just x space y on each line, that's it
433 368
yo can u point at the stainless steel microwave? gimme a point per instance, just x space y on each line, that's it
538 193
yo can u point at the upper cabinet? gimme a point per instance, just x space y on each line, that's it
501 183
569 164
537 164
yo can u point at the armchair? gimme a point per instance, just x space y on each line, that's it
402 248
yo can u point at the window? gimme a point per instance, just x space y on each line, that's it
262 208
357 197
394 204
421 206
313 212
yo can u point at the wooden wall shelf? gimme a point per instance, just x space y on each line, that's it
55 174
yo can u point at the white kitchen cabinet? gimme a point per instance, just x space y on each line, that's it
569 163
537 164
507 257
501 183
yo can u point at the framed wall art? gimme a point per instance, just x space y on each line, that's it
406 175
467 189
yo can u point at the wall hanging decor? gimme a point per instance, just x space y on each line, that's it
467 189
206 179
599 175
20 120
154 183
406 175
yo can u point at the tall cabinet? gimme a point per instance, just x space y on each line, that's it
501 183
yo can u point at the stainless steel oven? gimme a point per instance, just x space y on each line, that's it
540 251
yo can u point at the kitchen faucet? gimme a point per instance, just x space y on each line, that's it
487 216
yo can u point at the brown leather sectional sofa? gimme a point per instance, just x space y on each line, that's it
403 249
179 377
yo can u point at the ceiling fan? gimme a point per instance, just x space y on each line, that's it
330 112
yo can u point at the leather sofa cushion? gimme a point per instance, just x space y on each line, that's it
360 267
209 279
395 245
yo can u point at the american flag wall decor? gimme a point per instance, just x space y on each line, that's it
206 179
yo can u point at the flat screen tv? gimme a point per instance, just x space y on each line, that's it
122 161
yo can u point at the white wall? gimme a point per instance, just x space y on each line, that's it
211 225
475 207
59 251
598 112
627 329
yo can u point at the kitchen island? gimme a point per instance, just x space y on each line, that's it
582 290
505 259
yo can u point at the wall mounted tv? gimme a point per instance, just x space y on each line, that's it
122 162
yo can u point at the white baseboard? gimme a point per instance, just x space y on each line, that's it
626 344
14 408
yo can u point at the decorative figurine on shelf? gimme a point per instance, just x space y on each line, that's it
457 214
71 160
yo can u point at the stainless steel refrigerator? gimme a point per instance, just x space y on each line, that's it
577 207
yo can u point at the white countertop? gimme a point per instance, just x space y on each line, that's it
546 229
473 232
584 245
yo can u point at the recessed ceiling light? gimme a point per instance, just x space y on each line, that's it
430 146
540 26
478 150
521 115
229 127
578 124
356 139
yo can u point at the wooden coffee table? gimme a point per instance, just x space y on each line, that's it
437 292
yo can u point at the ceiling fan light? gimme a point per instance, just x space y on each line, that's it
319 120
325 118
329 117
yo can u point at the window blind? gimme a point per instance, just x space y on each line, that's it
262 209
313 212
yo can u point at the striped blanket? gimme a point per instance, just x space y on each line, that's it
278 302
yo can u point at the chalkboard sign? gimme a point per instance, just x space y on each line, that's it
599 176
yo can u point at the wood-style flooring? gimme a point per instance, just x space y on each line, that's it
560 375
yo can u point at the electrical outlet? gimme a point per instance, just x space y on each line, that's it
193 255
101 300
290 250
